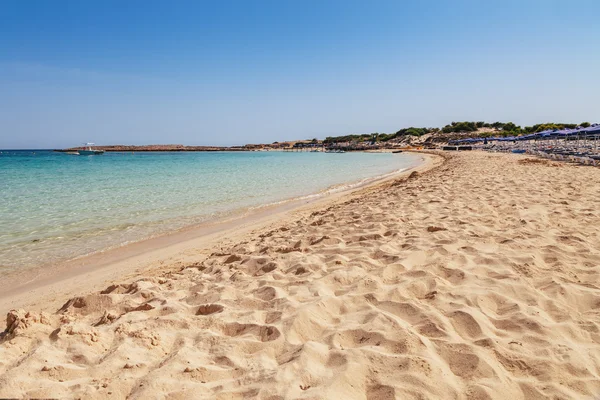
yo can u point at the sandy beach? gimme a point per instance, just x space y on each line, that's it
475 277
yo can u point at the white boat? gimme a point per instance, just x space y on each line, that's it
88 151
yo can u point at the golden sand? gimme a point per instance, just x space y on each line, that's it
478 279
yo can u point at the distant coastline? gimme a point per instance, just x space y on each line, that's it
404 139
157 148
183 148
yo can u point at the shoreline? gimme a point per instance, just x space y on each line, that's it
66 236
63 279
456 282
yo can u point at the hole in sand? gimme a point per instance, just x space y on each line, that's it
263 333
208 309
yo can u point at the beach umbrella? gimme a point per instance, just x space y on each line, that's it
593 129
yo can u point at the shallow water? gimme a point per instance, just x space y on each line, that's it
55 207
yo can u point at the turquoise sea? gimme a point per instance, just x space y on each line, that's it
55 207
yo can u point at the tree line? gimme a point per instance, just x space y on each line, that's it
499 129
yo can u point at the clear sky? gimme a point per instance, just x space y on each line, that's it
236 72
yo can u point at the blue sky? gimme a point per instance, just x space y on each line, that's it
236 72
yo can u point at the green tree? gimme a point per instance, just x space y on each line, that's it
510 127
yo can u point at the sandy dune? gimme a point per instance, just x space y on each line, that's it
479 279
